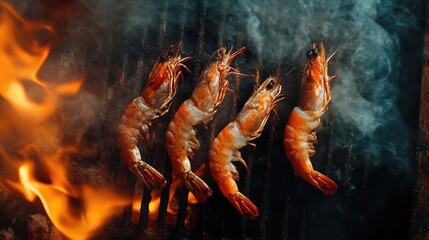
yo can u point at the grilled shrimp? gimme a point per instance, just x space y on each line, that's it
300 131
198 109
154 101
247 126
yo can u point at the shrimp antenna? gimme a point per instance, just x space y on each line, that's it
184 66
313 46
230 50
234 54
281 97
332 54
182 77
276 115
178 48
284 77
241 74
278 71
237 72
273 108
232 91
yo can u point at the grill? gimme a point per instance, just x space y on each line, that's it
366 205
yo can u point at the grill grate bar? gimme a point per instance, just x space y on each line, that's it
250 158
165 194
163 25
329 155
200 40
265 206
130 180
303 221
144 210
221 25
123 176
348 164
182 17
181 214
144 206
183 199
285 219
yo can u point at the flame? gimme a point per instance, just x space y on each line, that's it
77 220
34 161
22 55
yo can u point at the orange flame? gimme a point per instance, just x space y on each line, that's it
77 210
76 221
21 58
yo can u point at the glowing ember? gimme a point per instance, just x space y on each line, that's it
34 160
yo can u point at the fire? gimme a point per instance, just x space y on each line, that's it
21 56
34 160
77 214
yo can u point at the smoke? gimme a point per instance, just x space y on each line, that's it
368 63
91 34
376 86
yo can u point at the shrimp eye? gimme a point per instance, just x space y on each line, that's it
217 56
270 85
167 55
312 53
170 53
164 107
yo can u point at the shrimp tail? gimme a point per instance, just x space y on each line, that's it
150 176
322 182
244 205
197 186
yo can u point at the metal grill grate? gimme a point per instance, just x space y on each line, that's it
289 208
217 217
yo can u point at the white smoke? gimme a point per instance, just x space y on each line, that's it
366 33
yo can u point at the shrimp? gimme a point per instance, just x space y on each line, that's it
154 101
300 131
198 109
247 126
